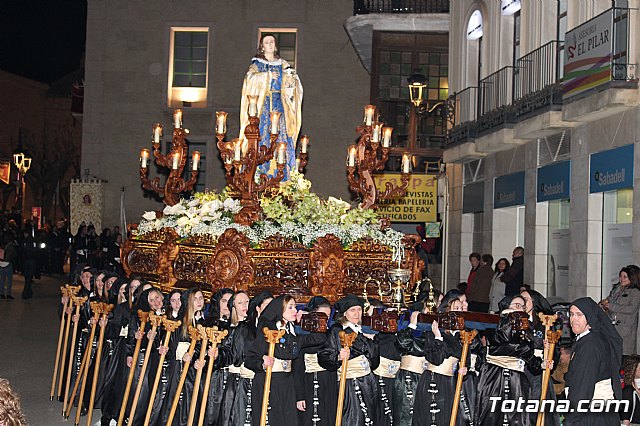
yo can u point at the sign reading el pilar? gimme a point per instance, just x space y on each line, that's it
419 204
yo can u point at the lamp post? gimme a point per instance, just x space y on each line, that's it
22 163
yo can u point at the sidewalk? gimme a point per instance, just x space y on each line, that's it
29 330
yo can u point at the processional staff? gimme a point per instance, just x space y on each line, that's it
78 301
65 296
466 337
194 333
104 310
347 341
84 365
196 384
155 321
72 291
144 318
551 339
170 327
215 337
272 337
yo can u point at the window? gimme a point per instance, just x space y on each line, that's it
396 56
286 40
188 67
190 59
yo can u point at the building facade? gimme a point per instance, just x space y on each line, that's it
543 150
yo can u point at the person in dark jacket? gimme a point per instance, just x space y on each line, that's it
9 262
513 277
479 292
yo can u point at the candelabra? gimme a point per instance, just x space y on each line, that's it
175 161
370 155
241 159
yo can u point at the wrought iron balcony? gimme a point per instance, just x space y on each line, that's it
495 99
463 109
537 80
361 7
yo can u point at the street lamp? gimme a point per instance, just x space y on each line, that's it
417 86
22 163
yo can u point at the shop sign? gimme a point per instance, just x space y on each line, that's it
508 190
419 203
554 181
611 170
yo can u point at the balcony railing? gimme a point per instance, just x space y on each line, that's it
537 79
496 90
361 7
463 109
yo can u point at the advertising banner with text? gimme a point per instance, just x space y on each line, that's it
419 204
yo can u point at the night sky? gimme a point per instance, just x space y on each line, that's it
42 39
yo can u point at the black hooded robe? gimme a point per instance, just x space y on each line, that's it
595 356
362 398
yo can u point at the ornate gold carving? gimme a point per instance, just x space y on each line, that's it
230 264
279 265
278 242
326 267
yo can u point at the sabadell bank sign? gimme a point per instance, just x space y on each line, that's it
611 170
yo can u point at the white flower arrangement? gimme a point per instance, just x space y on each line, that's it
292 211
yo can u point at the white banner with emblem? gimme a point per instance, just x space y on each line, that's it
86 202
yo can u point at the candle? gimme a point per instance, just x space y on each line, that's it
195 160
375 137
275 122
386 136
253 105
221 122
406 163
144 158
369 110
176 161
281 152
177 119
352 155
157 132
305 142
297 164
237 147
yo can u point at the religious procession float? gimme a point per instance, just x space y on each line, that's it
264 232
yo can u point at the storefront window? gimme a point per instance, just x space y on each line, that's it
558 254
617 234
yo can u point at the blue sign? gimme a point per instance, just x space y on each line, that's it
508 190
611 170
554 181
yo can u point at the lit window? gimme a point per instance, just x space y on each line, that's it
188 66
286 40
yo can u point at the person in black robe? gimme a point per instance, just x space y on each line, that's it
238 306
362 398
218 316
84 320
536 303
193 303
594 370
148 301
112 379
242 337
510 351
280 314
174 310
412 363
387 370
437 384
316 388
